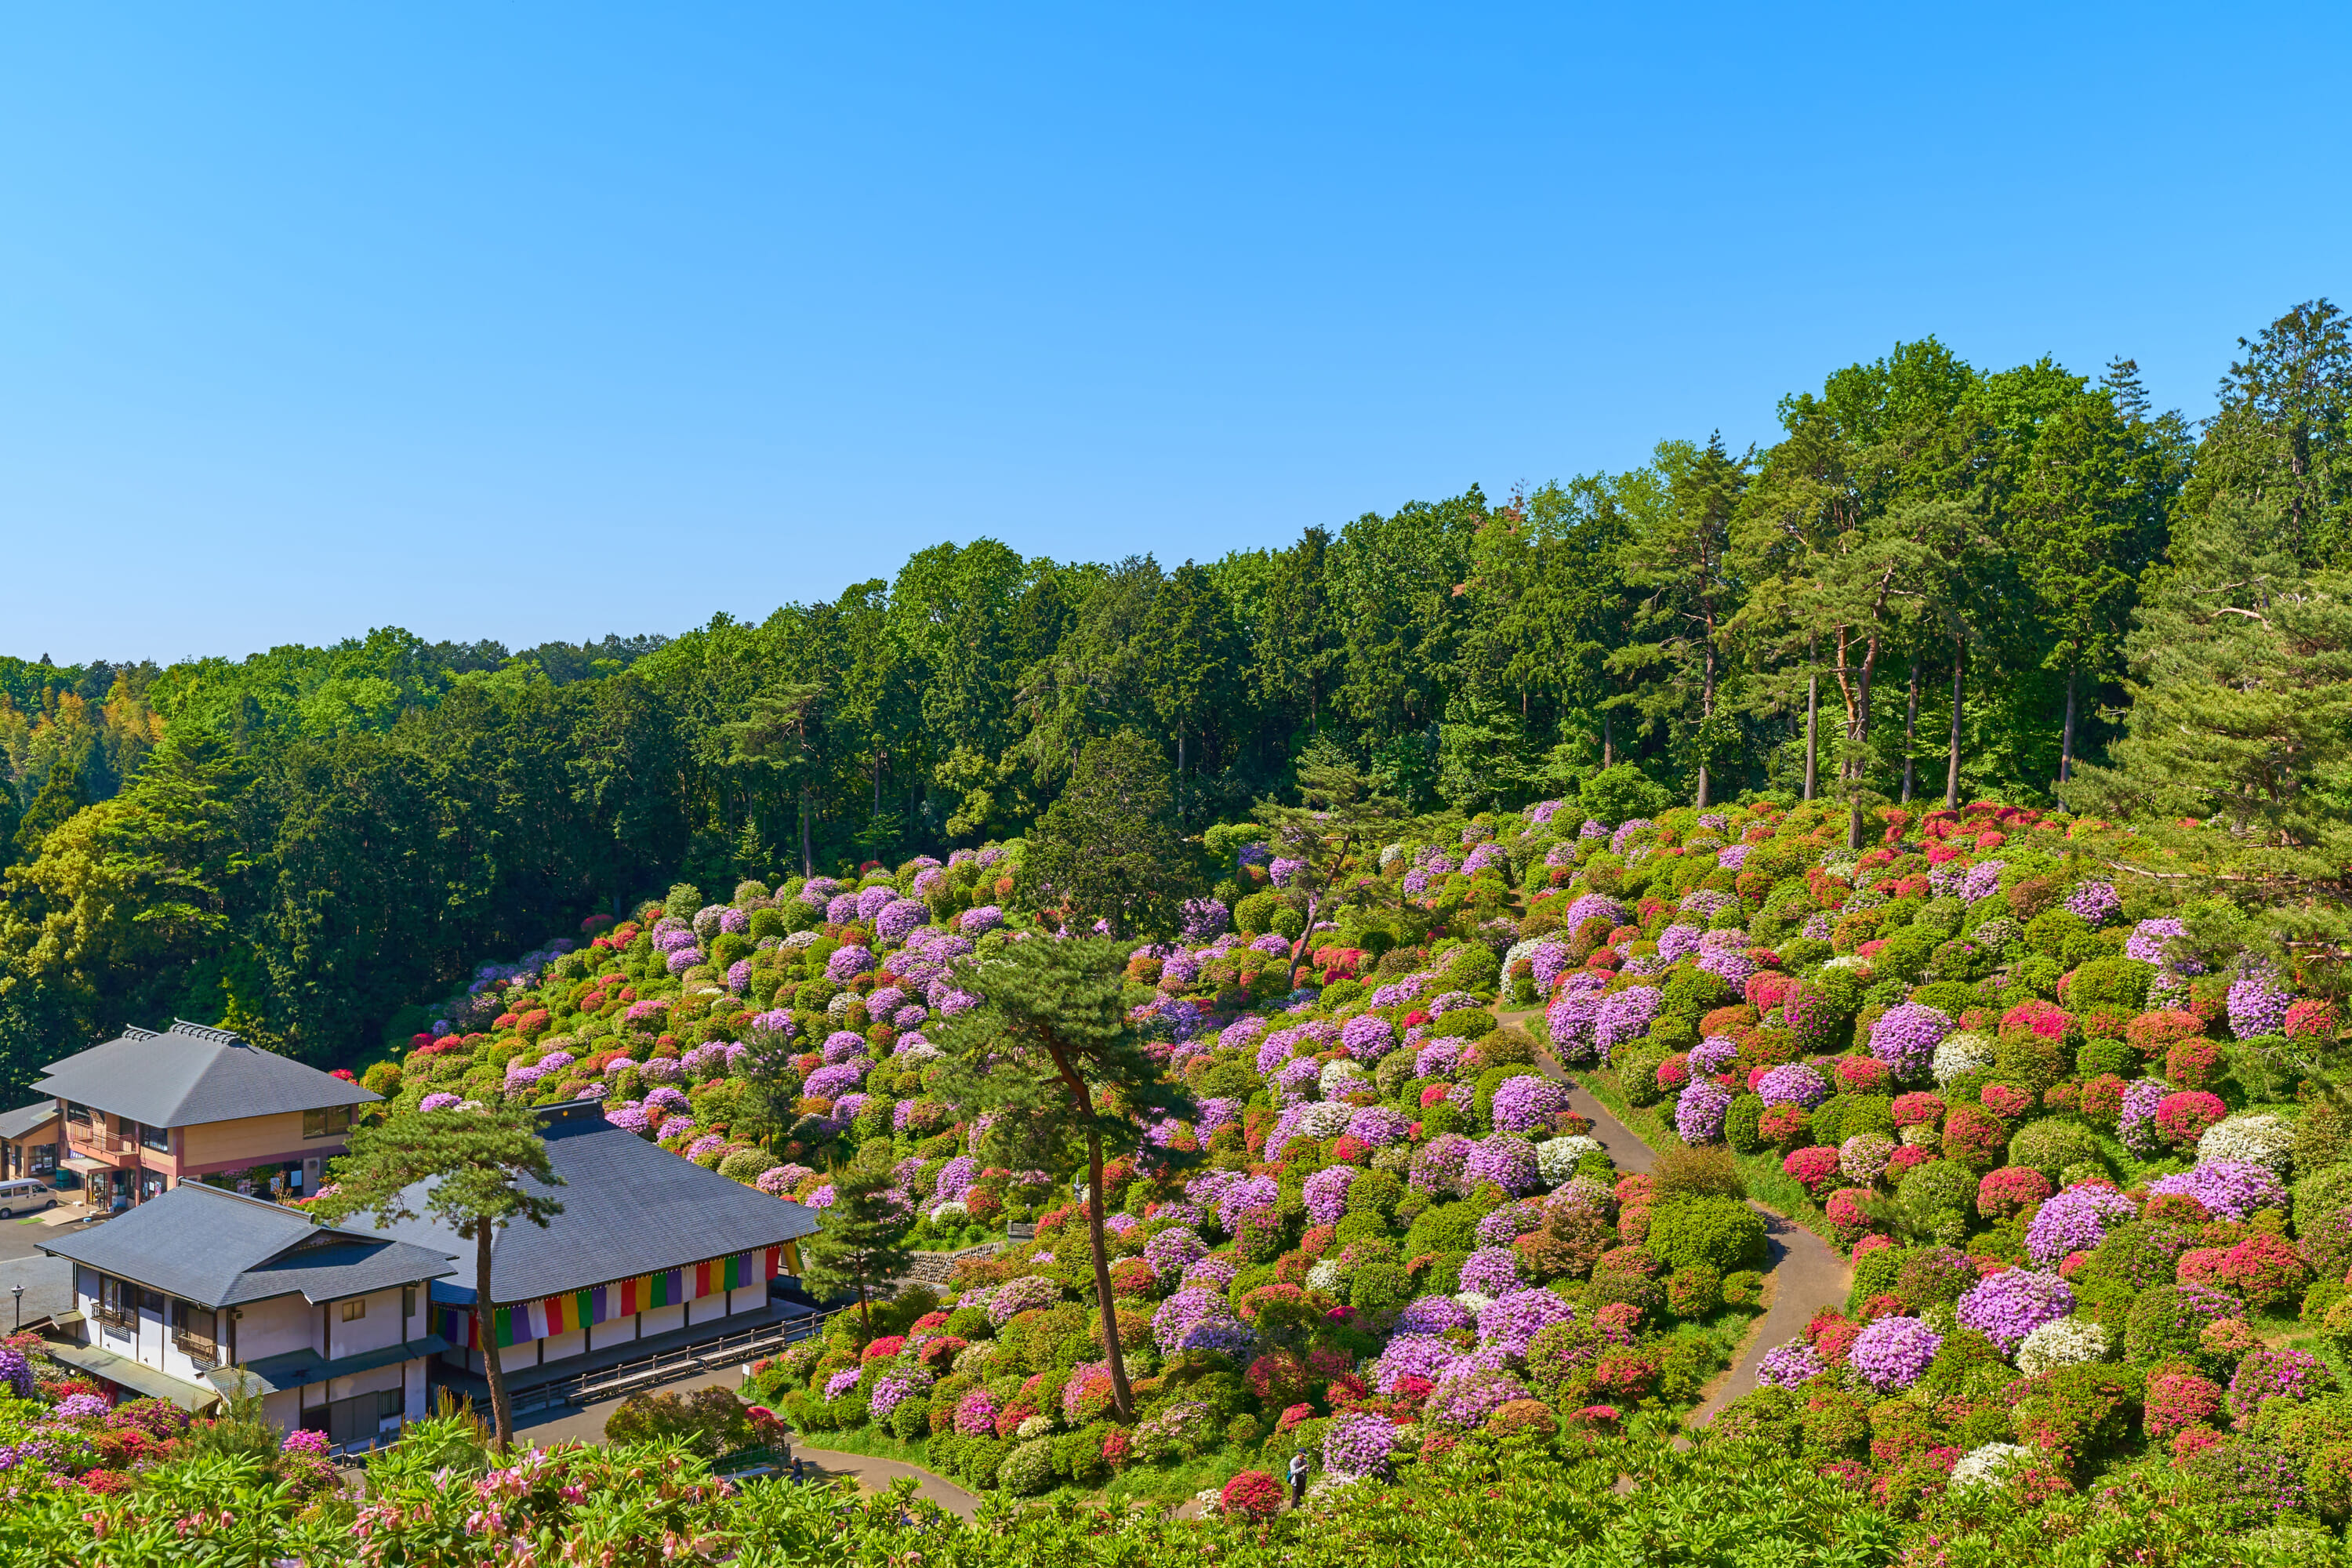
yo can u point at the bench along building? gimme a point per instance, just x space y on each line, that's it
190 1293
151 1109
648 1247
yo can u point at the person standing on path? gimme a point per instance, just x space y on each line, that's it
1298 1480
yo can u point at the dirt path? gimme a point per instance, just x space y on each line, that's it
1802 1274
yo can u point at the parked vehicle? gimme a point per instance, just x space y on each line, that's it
28 1195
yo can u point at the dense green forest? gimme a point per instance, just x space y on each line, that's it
1939 581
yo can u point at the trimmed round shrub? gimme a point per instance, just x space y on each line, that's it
2052 1143
2168 1322
1720 1232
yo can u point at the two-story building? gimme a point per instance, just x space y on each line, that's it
650 1252
198 1291
148 1110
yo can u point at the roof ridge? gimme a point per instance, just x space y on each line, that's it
201 1031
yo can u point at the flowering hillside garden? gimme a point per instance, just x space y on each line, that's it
2098 1224
2092 1224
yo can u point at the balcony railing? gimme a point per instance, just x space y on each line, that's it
96 1141
195 1347
119 1319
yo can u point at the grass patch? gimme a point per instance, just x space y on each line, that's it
1768 1183
1152 1485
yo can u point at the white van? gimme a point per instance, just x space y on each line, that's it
24 1196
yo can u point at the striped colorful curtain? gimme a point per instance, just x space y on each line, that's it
520 1322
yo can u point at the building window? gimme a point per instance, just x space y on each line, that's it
44 1159
407 1302
332 1122
77 1114
156 1138
353 1311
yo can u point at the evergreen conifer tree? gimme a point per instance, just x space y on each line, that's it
859 1244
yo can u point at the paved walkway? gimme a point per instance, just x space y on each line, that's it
587 1426
1803 1274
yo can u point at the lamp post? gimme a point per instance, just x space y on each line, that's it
18 1293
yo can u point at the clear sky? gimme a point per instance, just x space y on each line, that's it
531 321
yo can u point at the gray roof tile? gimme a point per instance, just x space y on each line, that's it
192 1073
219 1248
26 1117
629 1208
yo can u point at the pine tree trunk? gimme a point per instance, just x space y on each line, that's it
808 857
1857 771
2066 740
1180 772
1812 727
1122 1396
1608 742
1952 760
1706 715
1911 733
502 1408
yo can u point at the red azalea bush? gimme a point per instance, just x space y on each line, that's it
2154 1034
2005 1101
1814 1168
1846 1214
1974 1136
1862 1075
1674 1072
1784 1125
2011 1191
2313 1018
1253 1494
2193 1064
1917 1108
2178 1400
2183 1117
2102 1101
2266 1270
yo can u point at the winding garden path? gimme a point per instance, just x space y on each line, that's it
1802 1274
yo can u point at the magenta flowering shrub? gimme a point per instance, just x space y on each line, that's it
1432 1315
2258 1004
1528 1103
1514 1318
2230 1189
1624 1017
1905 1038
1793 1083
2012 1304
848 962
1356 1444
1175 1251
1412 1354
1466 1397
1327 1193
1491 1271
1700 1110
1368 1037
2268 1374
1504 1159
975 1415
1786 1365
2075 1220
1892 1353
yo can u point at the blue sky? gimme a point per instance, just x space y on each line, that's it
534 321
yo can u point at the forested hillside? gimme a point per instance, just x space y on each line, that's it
1929 584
